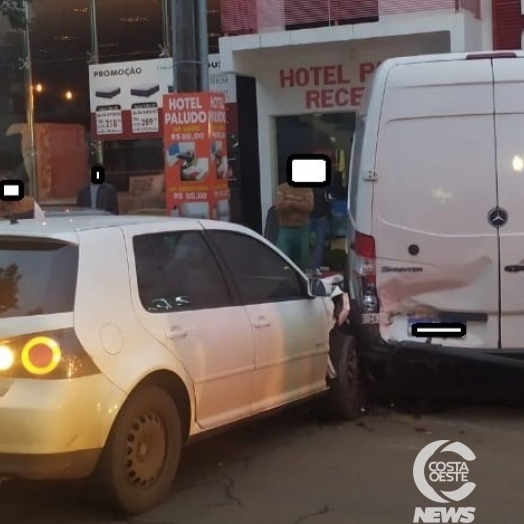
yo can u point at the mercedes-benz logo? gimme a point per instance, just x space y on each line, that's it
497 217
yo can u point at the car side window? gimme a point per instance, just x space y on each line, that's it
178 271
260 273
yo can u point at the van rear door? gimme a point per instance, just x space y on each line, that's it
436 253
509 122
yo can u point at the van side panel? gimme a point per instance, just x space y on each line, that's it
436 171
362 161
509 105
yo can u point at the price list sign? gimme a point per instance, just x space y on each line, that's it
109 120
144 118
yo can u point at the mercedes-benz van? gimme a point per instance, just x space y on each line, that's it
436 207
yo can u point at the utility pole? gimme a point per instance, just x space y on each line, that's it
30 105
189 45
95 59
203 45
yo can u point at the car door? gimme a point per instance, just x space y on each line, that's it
184 301
290 328
509 126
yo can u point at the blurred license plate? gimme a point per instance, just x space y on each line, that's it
421 320
444 324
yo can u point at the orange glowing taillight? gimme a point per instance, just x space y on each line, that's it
41 355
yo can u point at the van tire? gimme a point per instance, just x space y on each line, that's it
130 484
345 396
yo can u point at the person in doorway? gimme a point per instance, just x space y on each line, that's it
19 209
294 204
98 194
318 224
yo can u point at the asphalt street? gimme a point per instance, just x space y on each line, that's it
291 469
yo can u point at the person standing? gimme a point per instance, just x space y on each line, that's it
19 209
98 194
294 204
319 224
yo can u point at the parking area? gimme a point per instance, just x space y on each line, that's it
291 469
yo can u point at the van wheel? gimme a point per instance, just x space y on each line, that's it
138 465
345 395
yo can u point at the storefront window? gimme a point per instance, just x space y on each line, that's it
64 47
12 93
129 29
328 133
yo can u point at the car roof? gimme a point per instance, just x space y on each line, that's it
67 226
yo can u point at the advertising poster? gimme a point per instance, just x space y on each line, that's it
196 161
126 98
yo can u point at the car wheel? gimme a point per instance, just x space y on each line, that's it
345 394
138 465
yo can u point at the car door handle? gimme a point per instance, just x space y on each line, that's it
176 332
262 322
514 268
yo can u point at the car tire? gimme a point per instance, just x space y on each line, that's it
138 465
345 396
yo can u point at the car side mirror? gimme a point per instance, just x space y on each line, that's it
317 288
338 280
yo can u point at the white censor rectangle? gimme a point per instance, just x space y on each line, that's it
11 190
438 330
309 171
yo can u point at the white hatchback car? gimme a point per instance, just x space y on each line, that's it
121 337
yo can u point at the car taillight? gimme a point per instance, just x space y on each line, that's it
364 247
7 358
51 355
41 355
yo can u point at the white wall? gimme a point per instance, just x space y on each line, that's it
487 24
343 70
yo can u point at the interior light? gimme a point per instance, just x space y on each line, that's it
39 88
69 95
134 20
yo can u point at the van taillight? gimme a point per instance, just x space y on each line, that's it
364 247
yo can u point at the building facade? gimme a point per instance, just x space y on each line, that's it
311 60
45 79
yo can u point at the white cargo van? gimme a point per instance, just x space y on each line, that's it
436 206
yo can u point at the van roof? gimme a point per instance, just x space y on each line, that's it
450 57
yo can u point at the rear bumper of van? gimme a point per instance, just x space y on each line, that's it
412 367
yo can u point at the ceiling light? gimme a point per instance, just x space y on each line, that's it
69 95
64 38
134 20
82 10
39 88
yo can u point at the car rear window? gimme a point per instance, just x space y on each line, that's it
37 277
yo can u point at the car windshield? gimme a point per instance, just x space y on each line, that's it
37 277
